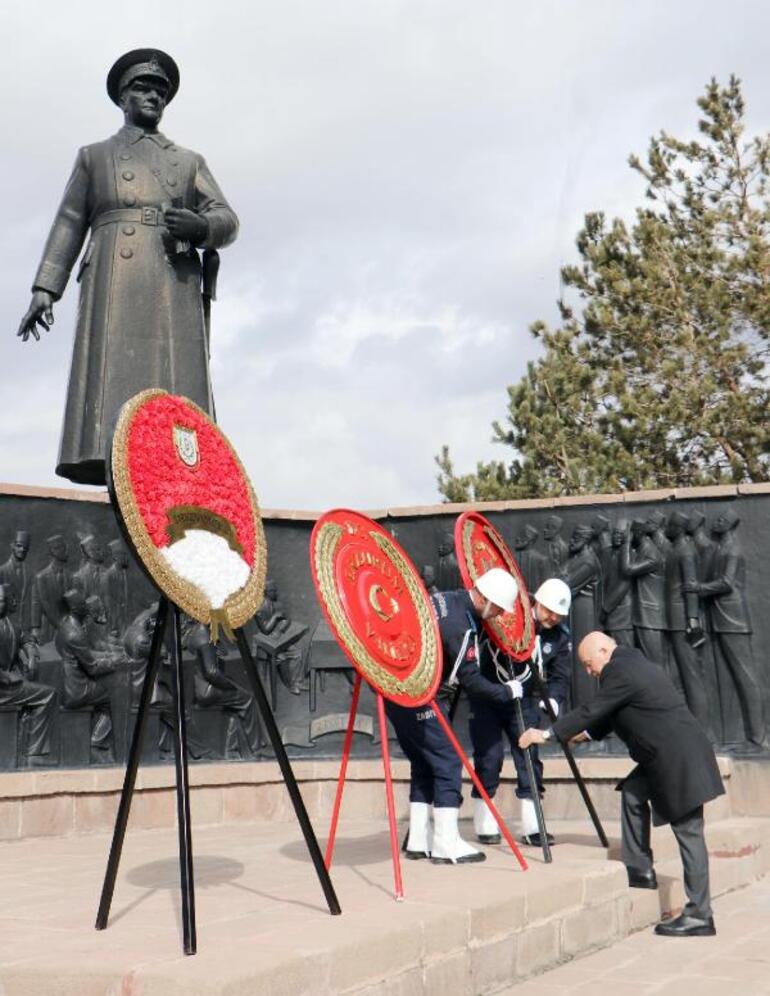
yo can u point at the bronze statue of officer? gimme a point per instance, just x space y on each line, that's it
147 206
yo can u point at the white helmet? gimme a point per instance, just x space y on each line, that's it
498 587
555 595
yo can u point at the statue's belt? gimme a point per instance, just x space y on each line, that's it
138 216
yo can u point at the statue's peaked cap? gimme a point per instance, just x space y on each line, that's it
142 62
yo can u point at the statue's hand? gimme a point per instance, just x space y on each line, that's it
186 225
40 310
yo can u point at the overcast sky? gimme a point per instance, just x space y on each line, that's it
409 177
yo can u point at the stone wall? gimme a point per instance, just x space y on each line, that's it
310 680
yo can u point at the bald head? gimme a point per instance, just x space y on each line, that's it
594 652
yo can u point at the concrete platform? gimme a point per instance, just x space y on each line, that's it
263 925
736 961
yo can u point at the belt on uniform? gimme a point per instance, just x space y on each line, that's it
135 216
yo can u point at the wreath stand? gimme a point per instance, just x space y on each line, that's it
399 888
182 781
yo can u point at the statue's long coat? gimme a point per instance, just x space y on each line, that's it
140 321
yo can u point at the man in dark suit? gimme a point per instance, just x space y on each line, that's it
676 770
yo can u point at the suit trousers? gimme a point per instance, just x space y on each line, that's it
688 830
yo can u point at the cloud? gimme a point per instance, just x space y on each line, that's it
409 176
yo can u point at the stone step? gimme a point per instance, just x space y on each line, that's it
263 926
739 852
52 803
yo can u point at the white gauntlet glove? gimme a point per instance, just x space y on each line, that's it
516 687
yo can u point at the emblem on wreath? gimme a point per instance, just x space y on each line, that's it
186 445
189 509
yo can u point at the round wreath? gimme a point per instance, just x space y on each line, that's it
189 509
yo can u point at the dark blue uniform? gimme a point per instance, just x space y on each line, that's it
493 711
436 775
436 770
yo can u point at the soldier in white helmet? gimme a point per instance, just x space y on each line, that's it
435 791
492 682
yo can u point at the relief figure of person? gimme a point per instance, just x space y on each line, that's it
36 703
48 589
682 614
617 592
646 564
556 546
532 563
725 594
86 674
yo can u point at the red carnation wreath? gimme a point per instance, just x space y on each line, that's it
189 509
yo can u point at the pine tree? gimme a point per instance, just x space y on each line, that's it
657 375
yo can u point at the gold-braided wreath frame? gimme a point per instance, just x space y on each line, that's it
242 604
419 682
521 647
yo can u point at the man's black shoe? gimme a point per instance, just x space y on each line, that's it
488 838
642 880
414 855
533 839
686 926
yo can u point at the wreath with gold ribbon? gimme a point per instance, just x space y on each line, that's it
189 509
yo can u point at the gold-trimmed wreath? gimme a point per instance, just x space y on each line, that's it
377 606
189 509
480 547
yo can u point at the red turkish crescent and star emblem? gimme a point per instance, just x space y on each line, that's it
480 547
376 606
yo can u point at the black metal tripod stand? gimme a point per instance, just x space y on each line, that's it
182 783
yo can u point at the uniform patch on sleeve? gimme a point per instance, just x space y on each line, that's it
439 605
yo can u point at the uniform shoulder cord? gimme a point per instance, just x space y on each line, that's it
505 671
452 679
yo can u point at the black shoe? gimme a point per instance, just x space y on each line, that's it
642 880
488 838
533 839
414 855
686 926
468 859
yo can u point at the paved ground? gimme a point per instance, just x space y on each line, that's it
263 927
734 963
